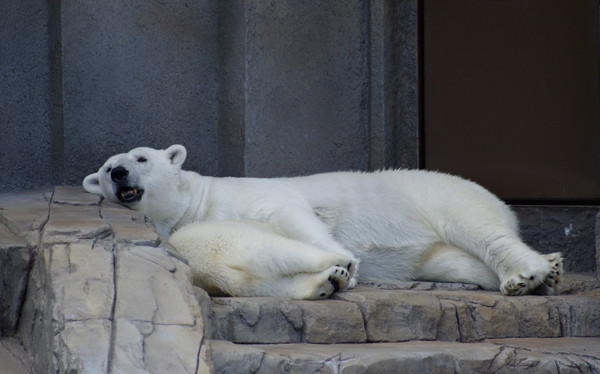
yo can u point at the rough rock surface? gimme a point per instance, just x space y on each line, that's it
374 315
103 294
89 287
566 355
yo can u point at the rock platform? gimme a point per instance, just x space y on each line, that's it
87 286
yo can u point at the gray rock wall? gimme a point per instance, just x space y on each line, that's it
264 88
95 291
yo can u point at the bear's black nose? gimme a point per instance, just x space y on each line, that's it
118 174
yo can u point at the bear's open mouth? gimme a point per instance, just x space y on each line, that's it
129 194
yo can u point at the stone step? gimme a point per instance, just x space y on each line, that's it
425 311
553 355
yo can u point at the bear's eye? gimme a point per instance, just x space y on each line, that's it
108 169
141 159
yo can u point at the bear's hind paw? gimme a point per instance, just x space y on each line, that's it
552 283
544 281
335 278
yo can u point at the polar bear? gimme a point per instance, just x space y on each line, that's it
398 224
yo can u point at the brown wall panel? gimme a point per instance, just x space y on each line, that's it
512 95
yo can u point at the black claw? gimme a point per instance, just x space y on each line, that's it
349 266
522 284
335 272
532 277
323 294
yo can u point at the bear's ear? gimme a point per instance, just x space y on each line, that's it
176 154
91 183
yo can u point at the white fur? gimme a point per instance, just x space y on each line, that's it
247 259
400 224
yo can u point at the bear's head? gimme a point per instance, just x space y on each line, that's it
143 179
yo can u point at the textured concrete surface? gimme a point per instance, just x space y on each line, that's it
315 75
251 88
27 128
138 74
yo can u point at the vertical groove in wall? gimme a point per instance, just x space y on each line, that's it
232 87
376 65
57 147
420 84
403 136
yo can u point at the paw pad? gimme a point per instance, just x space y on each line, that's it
543 282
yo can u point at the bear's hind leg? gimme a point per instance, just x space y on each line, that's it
521 269
445 263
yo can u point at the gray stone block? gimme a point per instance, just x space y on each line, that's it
479 316
278 320
396 316
332 322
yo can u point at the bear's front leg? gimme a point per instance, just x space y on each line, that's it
302 224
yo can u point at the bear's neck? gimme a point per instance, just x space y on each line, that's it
194 193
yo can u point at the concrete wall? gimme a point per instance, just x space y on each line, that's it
28 157
261 88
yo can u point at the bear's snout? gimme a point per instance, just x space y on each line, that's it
125 191
118 174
